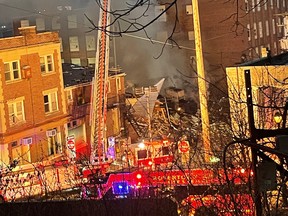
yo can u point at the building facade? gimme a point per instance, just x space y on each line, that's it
78 42
33 109
78 82
269 92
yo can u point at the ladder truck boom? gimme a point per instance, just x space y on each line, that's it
99 95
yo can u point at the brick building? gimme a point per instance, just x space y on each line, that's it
78 42
33 111
78 83
231 33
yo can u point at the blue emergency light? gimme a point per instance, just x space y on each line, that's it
120 188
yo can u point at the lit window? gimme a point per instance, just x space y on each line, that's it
258 5
248 32
118 83
46 63
12 71
267 28
255 30
16 111
273 26
50 102
260 29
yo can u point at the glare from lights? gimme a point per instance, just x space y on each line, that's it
138 176
242 170
141 145
150 163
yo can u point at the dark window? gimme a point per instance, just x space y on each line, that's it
165 150
142 154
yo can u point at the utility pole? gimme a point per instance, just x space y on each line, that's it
254 152
201 84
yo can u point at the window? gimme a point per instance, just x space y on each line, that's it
76 61
40 24
260 29
246 6
74 44
191 35
248 32
158 11
142 154
255 30
108 86
54 146
24 23
90 42
253 5
16 111
189 9
12 71
56 22
118 83
50 102
258 5
267 28
91 62
269 97
273 26
46 64
72 21
61 44
69 96
19 154
271 3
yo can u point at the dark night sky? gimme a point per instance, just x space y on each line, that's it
134 55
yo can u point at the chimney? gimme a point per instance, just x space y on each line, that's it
27 31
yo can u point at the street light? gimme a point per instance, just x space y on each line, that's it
277 118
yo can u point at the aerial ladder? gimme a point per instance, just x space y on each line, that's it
99 88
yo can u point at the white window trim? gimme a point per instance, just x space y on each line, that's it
13 120
46 64
11 71
49 103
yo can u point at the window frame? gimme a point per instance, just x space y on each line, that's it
51 105
47 64
12 71
16 114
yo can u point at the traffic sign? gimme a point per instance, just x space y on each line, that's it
71 144
183 146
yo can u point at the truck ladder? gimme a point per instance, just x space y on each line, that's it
99 99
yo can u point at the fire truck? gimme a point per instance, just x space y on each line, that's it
151 172
195 189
